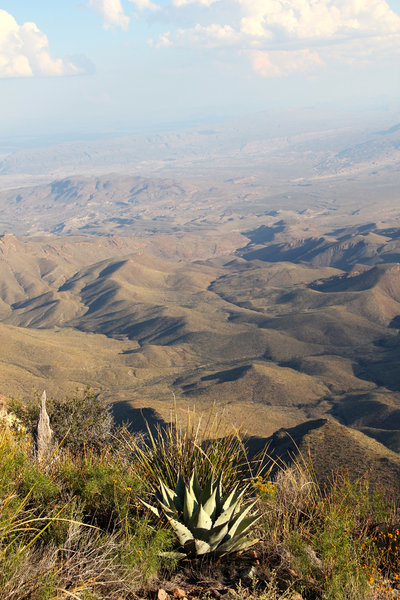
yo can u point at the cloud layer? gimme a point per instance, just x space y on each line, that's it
279 63
24 51
113 14
282 37
316 19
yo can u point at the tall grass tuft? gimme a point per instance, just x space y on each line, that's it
204 446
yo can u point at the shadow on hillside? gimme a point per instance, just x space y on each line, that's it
282 446
395 323
137 418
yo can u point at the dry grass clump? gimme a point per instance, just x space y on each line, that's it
177 449
86 566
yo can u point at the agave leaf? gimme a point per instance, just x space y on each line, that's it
207 490
229 498
199 533
167 495
201 547
210 505
218 487
179 493
194 518
217 536
239 503
203 519
153 509
203 527
236 501
189 506
182 533
236 544
194 486
167 510
239 518
225 516
239 495
244 525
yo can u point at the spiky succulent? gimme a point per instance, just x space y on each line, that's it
203 519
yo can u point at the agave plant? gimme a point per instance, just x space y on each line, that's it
203 519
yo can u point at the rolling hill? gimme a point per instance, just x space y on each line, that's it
335 449
286 341
258 271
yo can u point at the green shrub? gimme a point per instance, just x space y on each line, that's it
322 539
143 549
83 420
20 475
106 487
43 489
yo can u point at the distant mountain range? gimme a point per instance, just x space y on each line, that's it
288 143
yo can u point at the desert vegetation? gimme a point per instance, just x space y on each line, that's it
96 521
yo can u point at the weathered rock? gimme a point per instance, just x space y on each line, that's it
44 433
178 593
248 573
313 558
162 595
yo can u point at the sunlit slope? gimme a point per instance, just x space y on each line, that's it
59 360
233 329
369 244
334 449
258 382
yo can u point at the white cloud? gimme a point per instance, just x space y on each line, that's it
164 41
279 63
24 51
145 5
111 12
316 19
208 35
285 36
186 2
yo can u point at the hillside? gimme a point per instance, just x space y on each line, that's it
254 265
326 443
273 343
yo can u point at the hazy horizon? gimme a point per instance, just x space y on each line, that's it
70 70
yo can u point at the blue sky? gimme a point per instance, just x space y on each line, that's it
95 66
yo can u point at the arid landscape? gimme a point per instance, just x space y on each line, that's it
200 300
255 266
